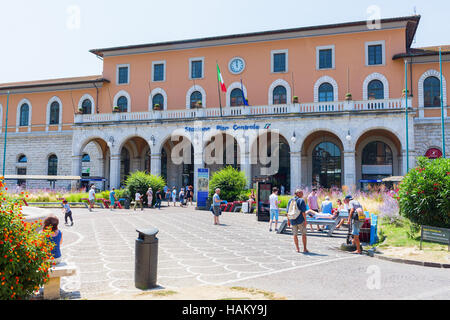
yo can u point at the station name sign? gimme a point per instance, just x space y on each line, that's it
235 127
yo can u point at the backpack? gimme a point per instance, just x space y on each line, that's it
293 211
359 215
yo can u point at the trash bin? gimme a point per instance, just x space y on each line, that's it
146 259
127 203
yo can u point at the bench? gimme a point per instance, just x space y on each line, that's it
53 286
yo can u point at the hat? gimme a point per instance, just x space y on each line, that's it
327 198
349 197
298 190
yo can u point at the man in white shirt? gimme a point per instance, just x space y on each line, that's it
273 200
91 197
138 200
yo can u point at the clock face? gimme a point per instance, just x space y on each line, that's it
236 65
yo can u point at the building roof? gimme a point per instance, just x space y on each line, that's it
411 26
53 82
423 52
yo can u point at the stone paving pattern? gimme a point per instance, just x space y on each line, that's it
240 252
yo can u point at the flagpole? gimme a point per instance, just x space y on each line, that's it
218 89
442 104
6 133
406 115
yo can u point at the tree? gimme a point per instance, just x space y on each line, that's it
230 181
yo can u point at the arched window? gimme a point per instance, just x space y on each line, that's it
432 92
327 169
375 90
122 103
52 165
24 115
196 97
158 99
86 158
236 98
22 159
377 161
326 92
279 95
54 113
87 106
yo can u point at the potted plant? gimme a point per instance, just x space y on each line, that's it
198 104
116 109
80 110
404 92
295 99
348 97
156 106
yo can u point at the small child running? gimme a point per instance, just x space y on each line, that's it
67 212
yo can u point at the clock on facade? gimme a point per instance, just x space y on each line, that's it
236 65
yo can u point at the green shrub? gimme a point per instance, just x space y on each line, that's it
424 193
25 254
231 182
141 181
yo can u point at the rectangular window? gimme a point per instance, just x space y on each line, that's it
158 72
21 172
196 69
375 54
326 59
123 74
279 62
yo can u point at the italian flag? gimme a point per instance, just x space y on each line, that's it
222 83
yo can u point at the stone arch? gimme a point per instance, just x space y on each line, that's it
193 89
87 97
276 83
125 94
154 93
325 79
231 87
375 76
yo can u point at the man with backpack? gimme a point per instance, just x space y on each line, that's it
296 215
356 217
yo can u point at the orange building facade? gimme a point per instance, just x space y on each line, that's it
332 97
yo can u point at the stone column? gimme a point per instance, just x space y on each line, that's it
349 169
155 164
296 171
246 167
114 171
76 170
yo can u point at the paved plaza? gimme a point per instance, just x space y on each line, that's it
241 252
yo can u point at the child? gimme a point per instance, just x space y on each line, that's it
67 212
56 237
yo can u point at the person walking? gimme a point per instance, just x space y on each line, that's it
174 196
181 197
91 197
138 200
112 199
216 206
313 205
297 218
273 200
167 194
67 212
149 197
158 199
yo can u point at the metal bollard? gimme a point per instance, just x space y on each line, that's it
146 259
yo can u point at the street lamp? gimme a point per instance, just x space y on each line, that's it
294 138
153 140
348 137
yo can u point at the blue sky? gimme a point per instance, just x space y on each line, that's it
45 39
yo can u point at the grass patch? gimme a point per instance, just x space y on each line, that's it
266 294
160 293
403 233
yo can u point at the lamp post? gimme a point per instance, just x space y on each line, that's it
6 133
406 115
442 104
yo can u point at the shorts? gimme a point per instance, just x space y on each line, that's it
91 201
217 211
356 226
273 214
299 227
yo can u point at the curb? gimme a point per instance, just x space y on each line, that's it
413 262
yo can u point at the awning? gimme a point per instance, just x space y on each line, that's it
37 177
393 179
